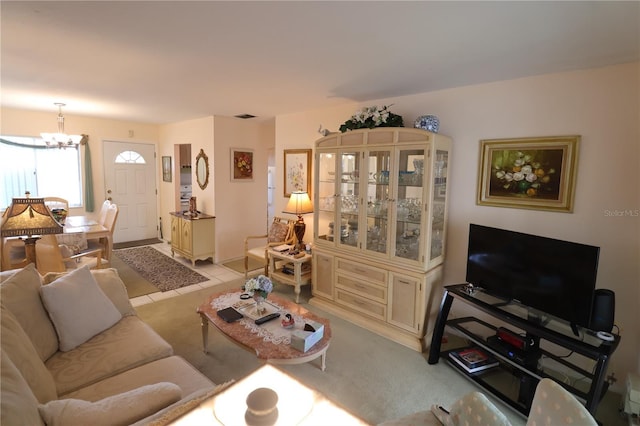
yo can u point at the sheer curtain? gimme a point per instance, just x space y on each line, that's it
44 172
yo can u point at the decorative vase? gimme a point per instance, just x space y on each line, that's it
430 123
260 308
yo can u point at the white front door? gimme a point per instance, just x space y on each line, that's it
130 182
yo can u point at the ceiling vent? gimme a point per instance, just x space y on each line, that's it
245 116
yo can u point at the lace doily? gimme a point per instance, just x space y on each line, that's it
271 331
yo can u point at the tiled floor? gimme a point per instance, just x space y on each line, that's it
217 274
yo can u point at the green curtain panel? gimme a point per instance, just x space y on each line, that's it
89 204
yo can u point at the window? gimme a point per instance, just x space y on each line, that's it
130 157
26 164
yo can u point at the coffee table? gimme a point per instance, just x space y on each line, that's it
269 341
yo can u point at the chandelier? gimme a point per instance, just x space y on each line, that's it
61 139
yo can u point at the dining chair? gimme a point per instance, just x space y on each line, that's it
59 207
103 211
109 222
13 253
280 232
54 257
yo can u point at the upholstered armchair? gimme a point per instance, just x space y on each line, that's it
108 216
552 405
280 232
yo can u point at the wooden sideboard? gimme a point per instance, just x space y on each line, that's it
193 237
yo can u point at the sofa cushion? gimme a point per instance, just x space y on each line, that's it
121 409
110 282
78 308
18 347
128 344
172 369
18 405
20 293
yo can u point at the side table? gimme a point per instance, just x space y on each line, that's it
299 277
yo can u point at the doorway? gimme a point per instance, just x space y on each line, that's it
130 183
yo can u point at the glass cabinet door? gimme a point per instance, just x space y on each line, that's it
377 200
409 203
439 192
349 196
326 193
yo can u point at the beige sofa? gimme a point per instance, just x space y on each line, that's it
74 352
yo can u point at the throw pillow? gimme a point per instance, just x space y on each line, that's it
122 409
78 308
278 232
110 282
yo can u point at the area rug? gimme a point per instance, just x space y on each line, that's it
135 283
238 265
137 243
160 270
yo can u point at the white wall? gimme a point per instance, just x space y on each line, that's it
198 133
241 207
601 105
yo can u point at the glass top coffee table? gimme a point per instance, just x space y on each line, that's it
270 341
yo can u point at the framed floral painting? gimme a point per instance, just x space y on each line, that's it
297 169
528 173
241 165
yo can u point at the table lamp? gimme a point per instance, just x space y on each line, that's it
299 204
28 217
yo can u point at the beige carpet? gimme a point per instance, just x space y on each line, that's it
369 375
135 283
238 265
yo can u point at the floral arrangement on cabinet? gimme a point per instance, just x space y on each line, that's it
372 117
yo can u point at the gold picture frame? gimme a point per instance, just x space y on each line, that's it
241 165
528 173
297 171
166 168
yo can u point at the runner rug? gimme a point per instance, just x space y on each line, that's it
162 271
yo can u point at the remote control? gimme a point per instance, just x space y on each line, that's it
267 318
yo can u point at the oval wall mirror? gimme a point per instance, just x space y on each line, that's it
202 169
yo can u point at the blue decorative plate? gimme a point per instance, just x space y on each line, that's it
428 122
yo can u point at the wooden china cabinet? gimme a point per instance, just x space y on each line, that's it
380 229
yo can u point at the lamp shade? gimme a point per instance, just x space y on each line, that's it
28 216
299 203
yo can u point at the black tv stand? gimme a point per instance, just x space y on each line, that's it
527 367
575 330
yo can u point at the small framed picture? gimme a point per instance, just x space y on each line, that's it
166 168
528 173
297 169
241 165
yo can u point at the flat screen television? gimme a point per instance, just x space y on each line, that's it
553 276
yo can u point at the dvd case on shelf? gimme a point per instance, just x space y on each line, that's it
473 359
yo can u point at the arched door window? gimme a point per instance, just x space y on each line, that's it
130 157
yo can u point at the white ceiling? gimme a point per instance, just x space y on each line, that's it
168 61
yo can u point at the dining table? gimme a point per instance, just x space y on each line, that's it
91 229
